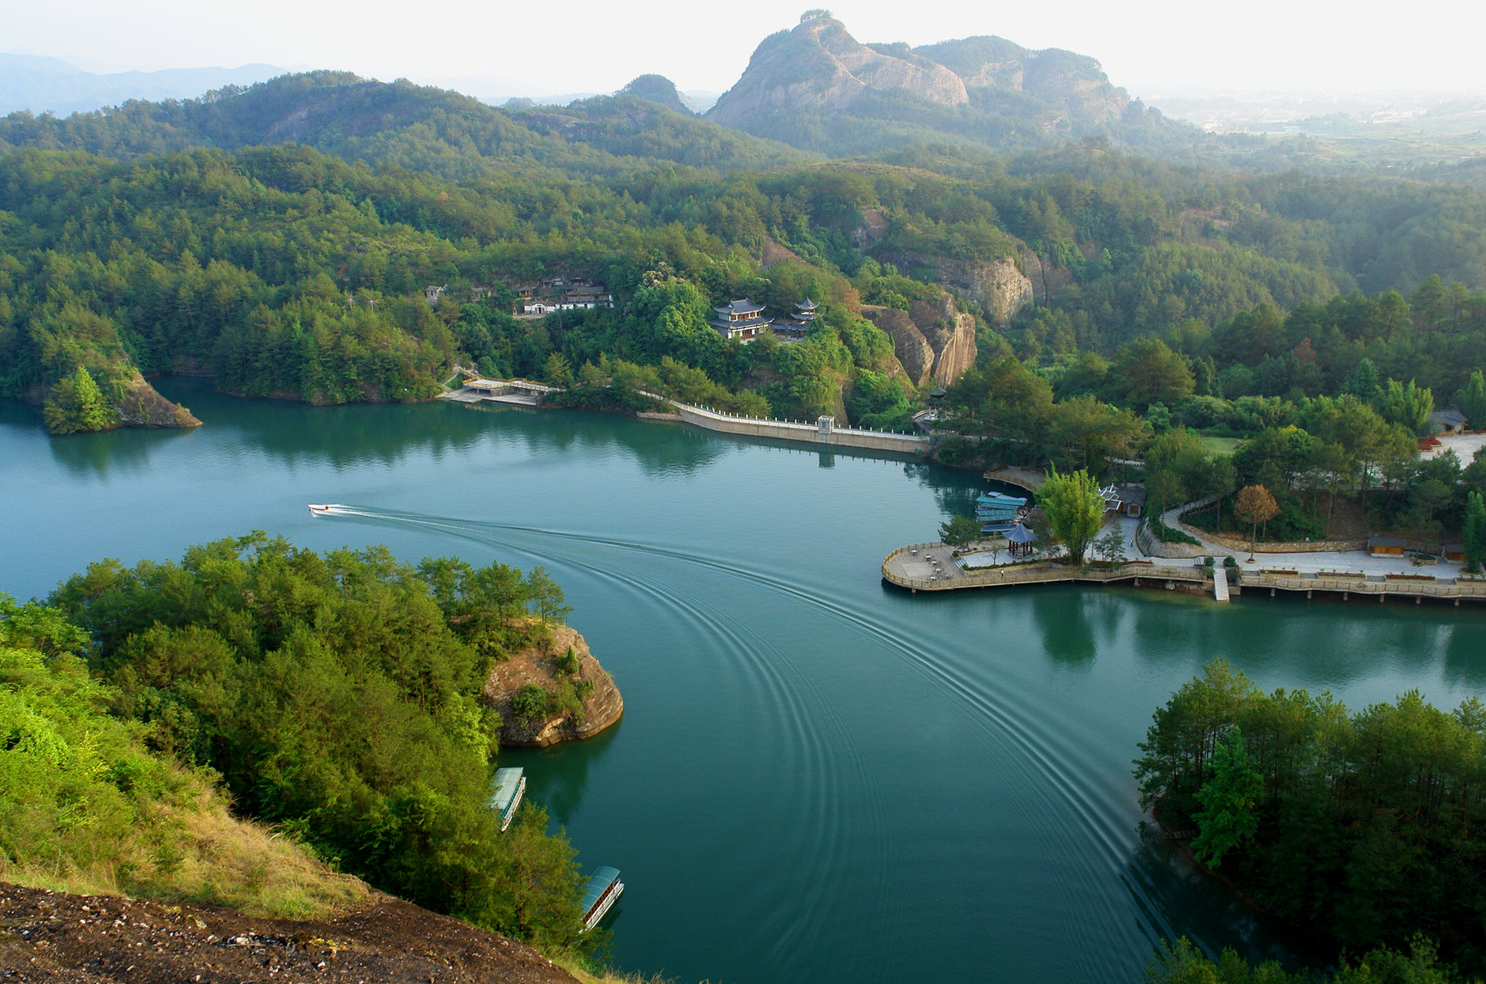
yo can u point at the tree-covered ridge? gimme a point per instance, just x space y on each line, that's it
290 273
1361 828
338 696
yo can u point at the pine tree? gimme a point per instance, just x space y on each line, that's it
76 404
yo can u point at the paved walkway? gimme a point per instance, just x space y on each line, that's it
1465 446
1347 561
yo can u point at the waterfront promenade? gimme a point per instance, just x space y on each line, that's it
933 567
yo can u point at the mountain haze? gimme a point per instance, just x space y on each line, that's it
39 84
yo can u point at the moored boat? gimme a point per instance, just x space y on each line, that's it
998 512
603 888
510 786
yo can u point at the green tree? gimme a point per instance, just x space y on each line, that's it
1074 510
1409 405
1147 371
1229 798
1471 400
1110 547
959 530
1474 537
76 405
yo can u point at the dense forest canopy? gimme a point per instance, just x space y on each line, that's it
337 696
1358 827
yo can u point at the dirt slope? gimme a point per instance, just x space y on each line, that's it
91 939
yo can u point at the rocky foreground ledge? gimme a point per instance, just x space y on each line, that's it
94 939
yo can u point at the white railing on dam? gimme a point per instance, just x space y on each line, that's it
823 431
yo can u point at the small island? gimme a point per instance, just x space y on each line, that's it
554 690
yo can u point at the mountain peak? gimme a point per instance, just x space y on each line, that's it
656 89
820 66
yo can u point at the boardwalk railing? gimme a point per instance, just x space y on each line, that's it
1368 585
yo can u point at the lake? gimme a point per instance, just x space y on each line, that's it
817 777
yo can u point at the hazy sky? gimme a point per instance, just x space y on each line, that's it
563 46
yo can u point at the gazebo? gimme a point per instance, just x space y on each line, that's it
1019 540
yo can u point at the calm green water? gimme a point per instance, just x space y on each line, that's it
817 778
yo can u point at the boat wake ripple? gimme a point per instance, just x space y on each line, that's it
1046 760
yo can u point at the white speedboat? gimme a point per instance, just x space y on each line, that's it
321 509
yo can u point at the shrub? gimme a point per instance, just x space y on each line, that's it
529 702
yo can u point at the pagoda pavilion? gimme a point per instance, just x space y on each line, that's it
741 319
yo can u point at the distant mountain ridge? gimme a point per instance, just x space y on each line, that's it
817 87
416 127
41 84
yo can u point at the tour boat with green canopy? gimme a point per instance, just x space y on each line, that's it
997 512
510 786
603 888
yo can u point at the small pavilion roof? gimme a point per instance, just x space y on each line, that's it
1019 534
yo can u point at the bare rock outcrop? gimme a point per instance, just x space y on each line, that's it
871 230
142 406
999 286
933 340
600 706
818 65
1065 84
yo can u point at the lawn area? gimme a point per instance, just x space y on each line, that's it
1219 445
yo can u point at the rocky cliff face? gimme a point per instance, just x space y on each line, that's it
999 286
820 66
1068 84
600 708
818 88
933 340
142 406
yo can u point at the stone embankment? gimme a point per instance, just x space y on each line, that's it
601 707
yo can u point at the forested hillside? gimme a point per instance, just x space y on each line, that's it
337 697
167 238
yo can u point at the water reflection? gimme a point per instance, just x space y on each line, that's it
1061 616
112 452
557 776
358 434
956 490
1212 916
118 452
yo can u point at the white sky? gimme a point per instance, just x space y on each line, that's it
566 46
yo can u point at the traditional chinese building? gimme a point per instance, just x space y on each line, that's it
741 319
